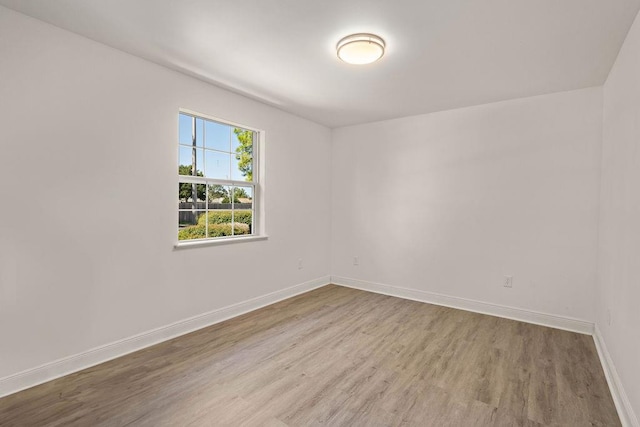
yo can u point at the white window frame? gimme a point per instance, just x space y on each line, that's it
257 232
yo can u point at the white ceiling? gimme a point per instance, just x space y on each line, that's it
441 54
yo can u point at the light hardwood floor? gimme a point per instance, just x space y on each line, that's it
339 357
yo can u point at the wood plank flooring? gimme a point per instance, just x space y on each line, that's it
338 357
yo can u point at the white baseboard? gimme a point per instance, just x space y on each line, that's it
95 356
528 316
628 417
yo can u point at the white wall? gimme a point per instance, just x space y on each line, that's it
88 182
619 248
449 202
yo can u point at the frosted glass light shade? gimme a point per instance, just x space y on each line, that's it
360 49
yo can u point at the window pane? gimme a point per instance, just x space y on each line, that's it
220 223
186 194
184 129
217 194
187 218
186 158
243 197
241 167
217 136
191 225
242 161
243 210
181 199
220 214
199 132
217 164
241 136
235 142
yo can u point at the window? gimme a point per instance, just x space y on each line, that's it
216 179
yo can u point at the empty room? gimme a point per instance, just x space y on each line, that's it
407 213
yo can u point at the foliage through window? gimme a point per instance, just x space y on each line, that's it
216 186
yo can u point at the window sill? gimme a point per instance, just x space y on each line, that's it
215 242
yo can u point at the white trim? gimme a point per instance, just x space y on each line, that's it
216 119
184 244
190 179
627 416
523 315
95 356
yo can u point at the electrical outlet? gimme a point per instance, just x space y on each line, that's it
355 260
507 282
300 264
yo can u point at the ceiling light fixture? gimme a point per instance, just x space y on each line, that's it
360 49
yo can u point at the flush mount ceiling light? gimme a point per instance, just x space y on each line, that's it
360 48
